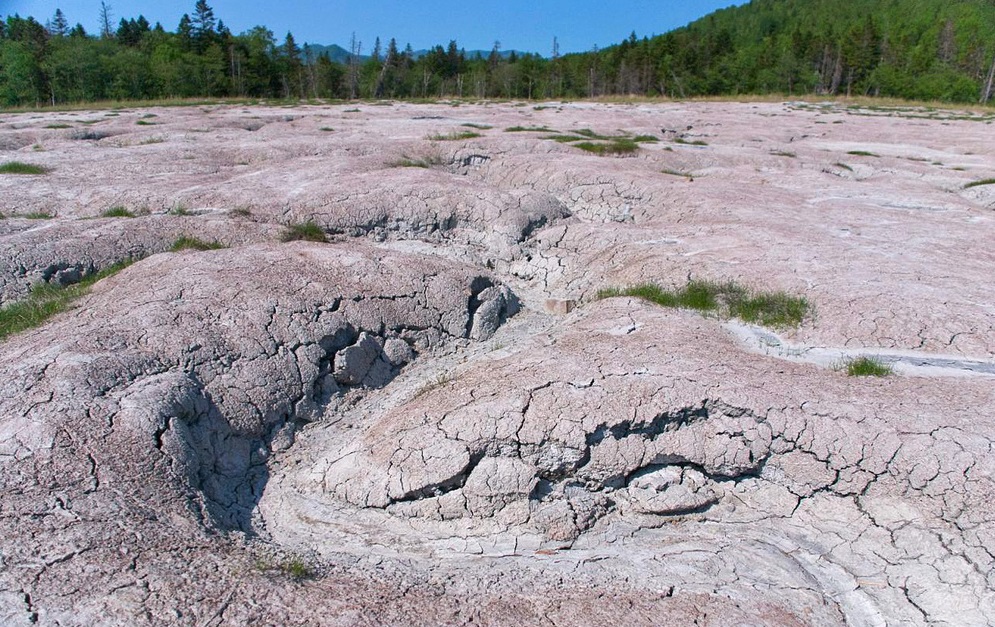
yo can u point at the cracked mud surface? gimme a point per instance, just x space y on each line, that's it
431 420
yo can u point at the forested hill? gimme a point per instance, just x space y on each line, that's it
921 49
918 49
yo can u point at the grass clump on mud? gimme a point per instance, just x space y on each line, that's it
980 183
865 367
771 309
185 242
47 300
427 162
19 167
691 142
529 129
454 136
618 146
307 232
117 212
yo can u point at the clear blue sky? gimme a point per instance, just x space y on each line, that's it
527 25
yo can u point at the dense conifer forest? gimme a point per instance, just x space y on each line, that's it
915 49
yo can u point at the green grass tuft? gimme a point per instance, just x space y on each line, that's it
684 142
297 569
19 167
117 212
865 367
36 215
47 300
454 136
308 232
481 127
619 146
769 309
58 125
646 139
773 309
862 153
185 242
980 183
564 139
529 129
417 162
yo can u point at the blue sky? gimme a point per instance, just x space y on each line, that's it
527 25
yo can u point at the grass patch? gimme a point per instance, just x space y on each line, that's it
772 309
117 212
326 129
185 242
844 166
296 568
565 139
784 153
454 136
144 123
59 125
36 215
47 300
862 153
180 209
980 183
621 146
480 127
588 133
529 129
646 139
695 142
308 232
19 167
865 367
417 162
151 140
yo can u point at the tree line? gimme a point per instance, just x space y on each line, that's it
917 49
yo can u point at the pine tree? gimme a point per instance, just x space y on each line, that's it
59 26
185 32
202 24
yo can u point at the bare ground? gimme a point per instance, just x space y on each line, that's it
429 419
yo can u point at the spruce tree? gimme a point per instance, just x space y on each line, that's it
59 26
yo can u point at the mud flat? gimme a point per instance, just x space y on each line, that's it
434 415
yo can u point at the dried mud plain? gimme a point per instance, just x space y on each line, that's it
413 424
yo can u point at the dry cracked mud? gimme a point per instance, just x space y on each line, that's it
430 418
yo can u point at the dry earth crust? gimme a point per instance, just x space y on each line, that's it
430 419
